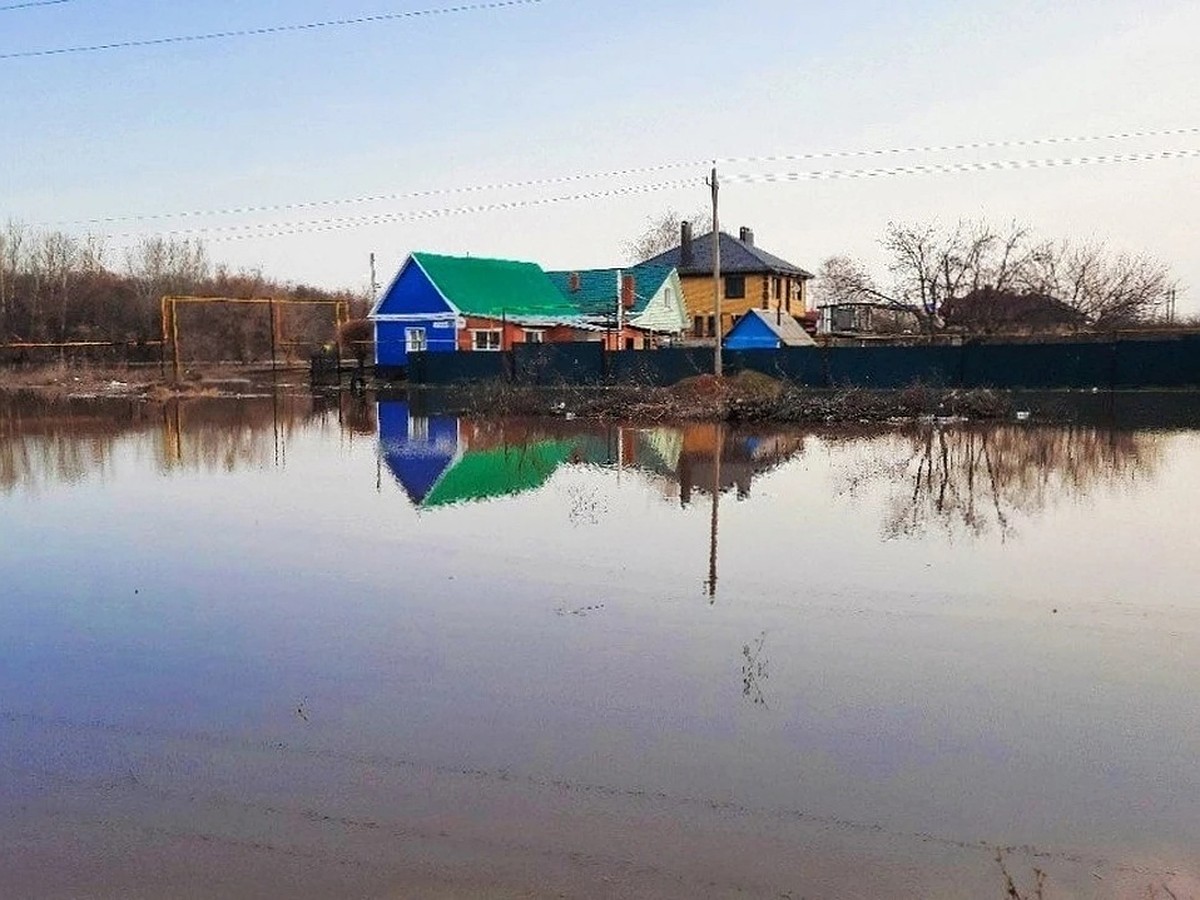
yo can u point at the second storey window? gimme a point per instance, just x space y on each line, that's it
535 336
485 339
735 287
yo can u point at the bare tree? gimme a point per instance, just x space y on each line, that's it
59 256
662 233
933 267
1109 290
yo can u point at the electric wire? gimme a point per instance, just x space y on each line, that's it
222 233
958 168
272 29
335 223
31 4
621 173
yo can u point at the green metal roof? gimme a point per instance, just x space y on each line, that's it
484 474
597 293
495 288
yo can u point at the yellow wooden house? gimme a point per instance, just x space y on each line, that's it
751 278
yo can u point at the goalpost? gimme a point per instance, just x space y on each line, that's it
170 321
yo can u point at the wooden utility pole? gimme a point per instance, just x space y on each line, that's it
620 311
716 240
175 340
271 311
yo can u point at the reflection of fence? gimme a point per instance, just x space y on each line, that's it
1159 361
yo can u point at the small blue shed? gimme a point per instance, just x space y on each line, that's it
761 329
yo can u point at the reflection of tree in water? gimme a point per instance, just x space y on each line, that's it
976 478
755 670
65 440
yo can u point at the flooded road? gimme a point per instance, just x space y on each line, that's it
329 647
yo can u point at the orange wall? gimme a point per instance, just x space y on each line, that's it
760 294
515 334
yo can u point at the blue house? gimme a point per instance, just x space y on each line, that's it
761 329
441 304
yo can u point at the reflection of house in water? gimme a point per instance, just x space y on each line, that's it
441 460
744 456
417 449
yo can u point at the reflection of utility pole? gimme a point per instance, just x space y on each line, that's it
718 446
275 418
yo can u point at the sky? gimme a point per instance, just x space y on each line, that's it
557 91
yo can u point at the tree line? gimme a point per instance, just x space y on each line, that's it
975 276
56 287
982 277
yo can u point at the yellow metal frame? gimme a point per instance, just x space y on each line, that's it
170 320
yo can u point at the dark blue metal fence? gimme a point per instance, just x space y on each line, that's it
551 364
1164 362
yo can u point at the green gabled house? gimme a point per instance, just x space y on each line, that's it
440 304
645 303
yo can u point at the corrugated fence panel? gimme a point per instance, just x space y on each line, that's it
1172 362
800 365
1075 365
658 367
894 367
448 368
579 362
1160 362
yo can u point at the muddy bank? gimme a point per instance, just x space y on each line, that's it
148 382
746 397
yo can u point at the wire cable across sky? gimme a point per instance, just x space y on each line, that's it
221 233
31 4
624 173
271 29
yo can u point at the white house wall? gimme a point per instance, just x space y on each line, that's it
663 315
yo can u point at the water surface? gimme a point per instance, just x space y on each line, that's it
333 647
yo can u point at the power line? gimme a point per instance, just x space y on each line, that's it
30 4
975 145
336 223
959 168
272 29
621 173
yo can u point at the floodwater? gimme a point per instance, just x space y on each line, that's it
328 647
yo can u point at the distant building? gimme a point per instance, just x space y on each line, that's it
767 330
441 304
988 311
751 278
650 299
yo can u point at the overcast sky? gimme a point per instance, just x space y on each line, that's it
562 88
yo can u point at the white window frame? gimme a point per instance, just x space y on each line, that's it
415 340
477 333
535 335
418 429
